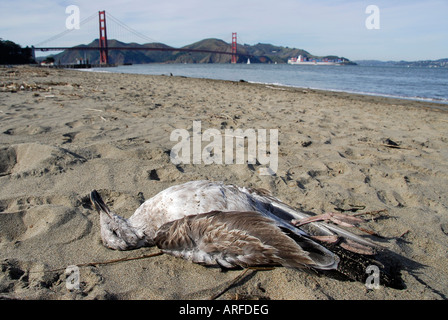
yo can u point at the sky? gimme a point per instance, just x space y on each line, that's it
396 30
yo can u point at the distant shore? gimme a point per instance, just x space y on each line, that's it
64 133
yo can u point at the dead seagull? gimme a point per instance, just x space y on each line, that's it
215 224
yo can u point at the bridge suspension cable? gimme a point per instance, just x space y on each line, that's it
82 23
116 30
127 28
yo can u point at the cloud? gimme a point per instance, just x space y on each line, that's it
410 29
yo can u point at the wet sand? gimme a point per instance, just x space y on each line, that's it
64 133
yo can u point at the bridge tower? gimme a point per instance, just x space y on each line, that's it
234 57
103 38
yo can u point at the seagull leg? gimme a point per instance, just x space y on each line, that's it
348 240
353 246
340 219
337 218
327 239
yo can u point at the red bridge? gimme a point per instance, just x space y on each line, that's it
104 48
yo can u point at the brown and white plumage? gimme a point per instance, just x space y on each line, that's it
216 224
239 239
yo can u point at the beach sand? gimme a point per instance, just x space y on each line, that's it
64 133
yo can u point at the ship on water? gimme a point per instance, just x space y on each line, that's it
312 61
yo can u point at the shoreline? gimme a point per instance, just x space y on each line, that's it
64 133
433 102
417 102
378 98
442 104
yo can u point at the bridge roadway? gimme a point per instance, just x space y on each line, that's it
138 48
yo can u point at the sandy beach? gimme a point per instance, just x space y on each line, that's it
64 133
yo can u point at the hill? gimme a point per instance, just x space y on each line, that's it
441 63
115 56
259 53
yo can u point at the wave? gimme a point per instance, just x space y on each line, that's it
366 93
374 77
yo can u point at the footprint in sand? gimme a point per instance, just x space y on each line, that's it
57 224
35 159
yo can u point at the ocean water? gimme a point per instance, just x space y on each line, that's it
416 83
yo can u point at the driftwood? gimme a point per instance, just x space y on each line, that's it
88 264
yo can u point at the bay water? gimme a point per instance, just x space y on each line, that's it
415 83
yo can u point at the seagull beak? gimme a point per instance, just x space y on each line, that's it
98 203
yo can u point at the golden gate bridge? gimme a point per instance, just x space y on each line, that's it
104 48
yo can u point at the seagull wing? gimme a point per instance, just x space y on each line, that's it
240 239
